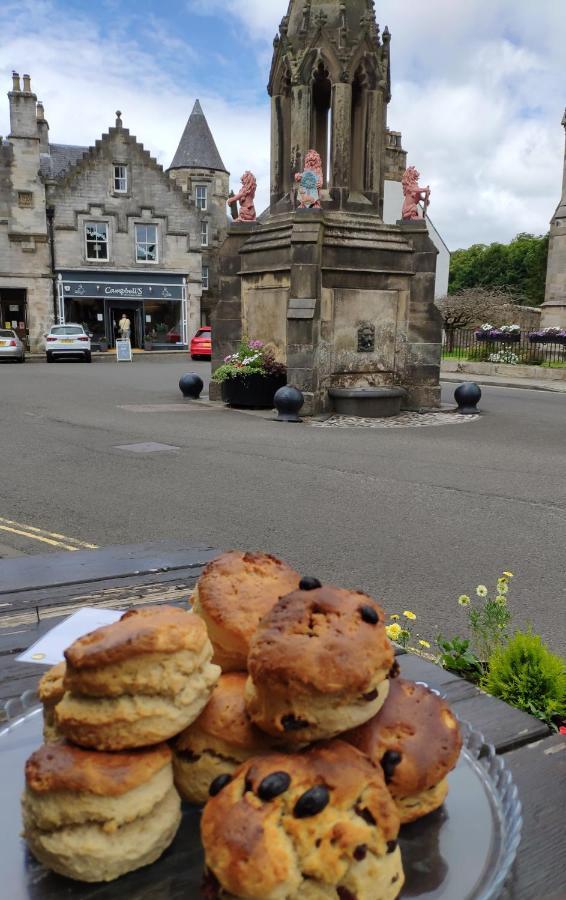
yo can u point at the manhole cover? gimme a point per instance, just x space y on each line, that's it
149 447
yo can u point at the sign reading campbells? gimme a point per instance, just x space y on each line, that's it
123 287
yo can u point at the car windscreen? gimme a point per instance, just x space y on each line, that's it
4 333
203 334
67 329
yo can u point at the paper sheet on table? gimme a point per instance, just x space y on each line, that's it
48 650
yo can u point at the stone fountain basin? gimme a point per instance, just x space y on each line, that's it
368 403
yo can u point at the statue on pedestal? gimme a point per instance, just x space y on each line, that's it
310 181
413 194
245 198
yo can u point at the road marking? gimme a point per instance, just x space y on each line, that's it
46 537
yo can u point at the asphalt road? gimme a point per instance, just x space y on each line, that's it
415 516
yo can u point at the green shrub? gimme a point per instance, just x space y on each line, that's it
525 674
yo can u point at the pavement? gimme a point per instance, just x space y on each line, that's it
415 516
526 384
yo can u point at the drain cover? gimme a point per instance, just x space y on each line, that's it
149 447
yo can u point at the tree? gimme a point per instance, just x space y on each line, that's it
518 268
471 306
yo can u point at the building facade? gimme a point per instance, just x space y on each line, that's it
88 233
554 306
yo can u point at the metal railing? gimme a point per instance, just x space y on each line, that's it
524 348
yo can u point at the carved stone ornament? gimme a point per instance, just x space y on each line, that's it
366 338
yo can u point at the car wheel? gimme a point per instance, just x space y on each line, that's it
22 359
193 357
49 357
88 356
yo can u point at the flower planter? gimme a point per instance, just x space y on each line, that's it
252 391
538 338
503 337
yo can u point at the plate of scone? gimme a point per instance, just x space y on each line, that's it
258 744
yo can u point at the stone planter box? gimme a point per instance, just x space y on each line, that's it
252 391
367 403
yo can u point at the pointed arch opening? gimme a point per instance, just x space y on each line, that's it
358 130
321 116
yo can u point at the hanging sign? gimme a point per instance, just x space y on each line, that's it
123 351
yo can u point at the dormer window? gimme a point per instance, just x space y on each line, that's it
120 179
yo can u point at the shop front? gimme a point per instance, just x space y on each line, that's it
156 306
13 311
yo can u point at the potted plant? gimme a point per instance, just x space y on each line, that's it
103 343
550 335
149 340
161 333
251 376
507 334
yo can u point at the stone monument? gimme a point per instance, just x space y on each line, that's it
346 301
554 306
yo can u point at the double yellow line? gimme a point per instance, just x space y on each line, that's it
46 537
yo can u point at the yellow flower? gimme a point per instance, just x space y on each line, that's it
501 600
464 600
481 590
393 631
424 643
502 587
394 617
409 615
508 574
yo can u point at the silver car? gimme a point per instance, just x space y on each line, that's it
10 346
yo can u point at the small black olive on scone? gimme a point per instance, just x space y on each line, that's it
303 824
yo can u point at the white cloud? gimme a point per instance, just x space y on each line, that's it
478 92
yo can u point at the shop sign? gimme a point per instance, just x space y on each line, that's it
123 290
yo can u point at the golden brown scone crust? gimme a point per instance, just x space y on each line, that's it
224 718
50 688
259 848
64 767
154 629
318 640
237 589
420 726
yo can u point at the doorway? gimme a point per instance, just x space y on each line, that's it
133 311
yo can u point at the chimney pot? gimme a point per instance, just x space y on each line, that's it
15 82
27 84
40 111
118 119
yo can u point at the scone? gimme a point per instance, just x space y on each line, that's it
416 739
94 816
138 681
221 738
50 691
233 593
305 826
318 664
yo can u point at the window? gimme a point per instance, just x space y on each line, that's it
205 278
25 199
201 196
67 329
121 179
204 234
96 235
146 243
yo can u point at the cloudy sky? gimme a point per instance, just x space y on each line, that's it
479 89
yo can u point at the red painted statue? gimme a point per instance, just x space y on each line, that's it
310 181
413 194
246 198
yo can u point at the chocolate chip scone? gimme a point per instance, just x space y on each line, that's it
318 664
416 739
308 826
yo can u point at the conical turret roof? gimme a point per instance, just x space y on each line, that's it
197 148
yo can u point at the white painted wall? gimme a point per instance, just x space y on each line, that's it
392 206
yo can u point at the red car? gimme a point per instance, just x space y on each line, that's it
201 344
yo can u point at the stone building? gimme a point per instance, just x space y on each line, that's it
87 233
554 306
346 300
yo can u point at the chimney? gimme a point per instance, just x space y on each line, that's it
23 120
42 128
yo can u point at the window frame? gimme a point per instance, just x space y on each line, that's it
105 243
205 280
118 190
150 262
204 233
204 188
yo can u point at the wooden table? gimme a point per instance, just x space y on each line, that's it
536 758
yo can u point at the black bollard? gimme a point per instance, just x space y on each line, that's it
191 385
288 401
467 396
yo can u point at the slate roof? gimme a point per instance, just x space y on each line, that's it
60 159
197 148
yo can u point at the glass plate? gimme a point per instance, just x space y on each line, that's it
463 851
